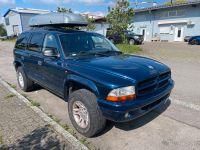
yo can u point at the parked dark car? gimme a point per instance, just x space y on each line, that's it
186 38
195 40
132 38
99 82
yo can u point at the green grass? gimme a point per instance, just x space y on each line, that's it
12 85
1 140
9 96
11 40
126 48
34 103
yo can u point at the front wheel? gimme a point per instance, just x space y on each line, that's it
84 113
194 42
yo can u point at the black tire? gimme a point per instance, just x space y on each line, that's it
96 119
28 84
132 42
194 42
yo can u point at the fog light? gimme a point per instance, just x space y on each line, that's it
126 115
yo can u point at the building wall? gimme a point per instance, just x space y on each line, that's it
101 28
14 21
152 21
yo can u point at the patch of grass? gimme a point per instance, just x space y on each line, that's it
1 140
83 140
54 118
126 48
12 85
9 96
10 40
34 103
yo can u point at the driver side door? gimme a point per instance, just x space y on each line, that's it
53 66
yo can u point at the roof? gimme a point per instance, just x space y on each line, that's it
27 10
167 6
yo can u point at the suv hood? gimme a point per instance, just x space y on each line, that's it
129 67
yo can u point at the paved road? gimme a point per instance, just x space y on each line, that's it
21 128
176 125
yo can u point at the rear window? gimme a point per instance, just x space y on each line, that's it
36 41
22 41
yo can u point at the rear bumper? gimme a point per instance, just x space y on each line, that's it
129 110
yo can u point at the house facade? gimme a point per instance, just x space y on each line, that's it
16 20
168 22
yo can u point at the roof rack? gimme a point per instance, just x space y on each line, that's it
57 20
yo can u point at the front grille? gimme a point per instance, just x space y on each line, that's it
153 84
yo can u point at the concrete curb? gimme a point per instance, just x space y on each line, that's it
75 143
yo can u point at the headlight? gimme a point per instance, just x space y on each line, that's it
122 94
136 37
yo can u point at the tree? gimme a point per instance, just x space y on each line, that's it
2 30
91 26
119 17
62 9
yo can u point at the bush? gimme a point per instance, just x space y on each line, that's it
126 48
2 30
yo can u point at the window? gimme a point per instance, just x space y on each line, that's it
7 21
36 42
164 30
22 41
100 43
85 43
174 13
50 42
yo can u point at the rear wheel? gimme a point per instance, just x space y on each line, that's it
24 82
84 113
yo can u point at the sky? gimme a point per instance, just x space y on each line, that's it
99 7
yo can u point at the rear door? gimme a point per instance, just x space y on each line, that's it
35 58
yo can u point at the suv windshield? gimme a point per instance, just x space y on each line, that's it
76 44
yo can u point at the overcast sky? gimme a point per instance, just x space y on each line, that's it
96 6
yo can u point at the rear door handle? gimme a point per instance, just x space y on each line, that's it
40 63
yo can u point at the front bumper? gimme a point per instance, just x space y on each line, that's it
129 110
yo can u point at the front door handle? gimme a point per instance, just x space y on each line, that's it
40 63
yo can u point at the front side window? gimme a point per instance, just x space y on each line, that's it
50 42
85 43
35 43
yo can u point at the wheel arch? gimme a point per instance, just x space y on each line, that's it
17 64
74 82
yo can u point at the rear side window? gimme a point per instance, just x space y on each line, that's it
22 41
35 43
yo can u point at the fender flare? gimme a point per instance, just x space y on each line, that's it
86 82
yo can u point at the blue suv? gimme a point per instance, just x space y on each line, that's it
99 82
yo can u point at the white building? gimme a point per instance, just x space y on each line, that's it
16 20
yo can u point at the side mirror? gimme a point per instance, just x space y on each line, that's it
50 52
